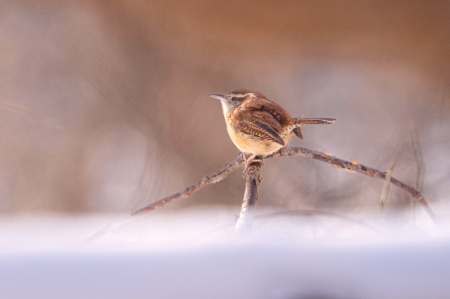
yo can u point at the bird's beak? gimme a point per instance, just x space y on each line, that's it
218 96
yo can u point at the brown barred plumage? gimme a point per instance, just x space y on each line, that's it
258 125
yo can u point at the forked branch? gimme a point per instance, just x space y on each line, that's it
223 172
353 167
214 177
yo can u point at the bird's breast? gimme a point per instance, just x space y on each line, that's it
249 143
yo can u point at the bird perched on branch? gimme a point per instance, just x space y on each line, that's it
259 126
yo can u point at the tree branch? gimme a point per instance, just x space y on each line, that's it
253 179
387 180
251 195
214 177
353 167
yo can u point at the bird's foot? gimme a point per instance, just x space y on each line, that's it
252 159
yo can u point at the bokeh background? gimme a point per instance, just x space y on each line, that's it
104 107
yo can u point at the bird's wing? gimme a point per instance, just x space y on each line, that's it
271 111
258 123
268 118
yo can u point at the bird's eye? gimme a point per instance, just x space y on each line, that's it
235 99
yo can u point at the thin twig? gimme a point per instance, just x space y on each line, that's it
296 213
387 181
214 177
353 167
283 152
37 116
419 161
418 156
387 185
315 212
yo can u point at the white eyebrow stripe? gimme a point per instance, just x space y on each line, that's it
235 95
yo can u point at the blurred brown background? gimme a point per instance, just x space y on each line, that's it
104 107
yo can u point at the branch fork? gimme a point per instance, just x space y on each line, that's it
252 175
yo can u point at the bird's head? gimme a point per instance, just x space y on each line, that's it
234 98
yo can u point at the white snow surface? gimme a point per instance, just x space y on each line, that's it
196 254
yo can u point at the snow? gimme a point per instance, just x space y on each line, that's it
196 254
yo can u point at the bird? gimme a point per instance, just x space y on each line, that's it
258 126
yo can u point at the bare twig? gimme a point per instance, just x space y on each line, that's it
39 117
418 156
387 181
419 161
353 167
214 177
253 179
252 191
315 212
387 185
296 213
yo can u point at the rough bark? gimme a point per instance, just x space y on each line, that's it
253 179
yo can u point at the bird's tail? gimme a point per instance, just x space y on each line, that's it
299 121
295 123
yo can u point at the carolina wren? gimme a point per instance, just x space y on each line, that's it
258 126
